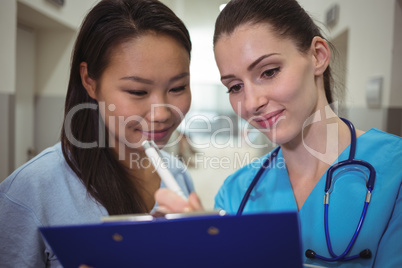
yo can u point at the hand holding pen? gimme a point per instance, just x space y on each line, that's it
153 153
170 202
171 199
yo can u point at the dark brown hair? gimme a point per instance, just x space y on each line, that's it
108 24
286 17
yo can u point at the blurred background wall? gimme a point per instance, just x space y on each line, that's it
37 37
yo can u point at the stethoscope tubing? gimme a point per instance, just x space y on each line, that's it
257 177
351 243
370 185
350 161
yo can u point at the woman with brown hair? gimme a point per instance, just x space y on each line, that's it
275 64
129 83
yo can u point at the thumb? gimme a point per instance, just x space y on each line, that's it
170 201
195 202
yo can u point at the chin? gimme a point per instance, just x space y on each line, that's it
278 136
162 142
137 145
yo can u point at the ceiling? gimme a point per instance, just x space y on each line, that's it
196 13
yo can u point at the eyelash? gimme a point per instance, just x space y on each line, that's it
275 71
230 90
178 89
138 93
264 74
141 93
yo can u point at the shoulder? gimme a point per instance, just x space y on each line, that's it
41 173
48 189
376 140
48 159
383 151
377 134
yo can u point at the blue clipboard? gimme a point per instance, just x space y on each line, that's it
251 240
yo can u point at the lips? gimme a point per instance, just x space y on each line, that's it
270 119
156 134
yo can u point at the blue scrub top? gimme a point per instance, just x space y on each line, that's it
382 228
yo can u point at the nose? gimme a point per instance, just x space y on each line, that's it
255 99
160 112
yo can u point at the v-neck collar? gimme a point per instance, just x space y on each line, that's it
319 187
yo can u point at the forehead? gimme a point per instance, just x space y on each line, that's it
250 41
147 46
259 33
149 53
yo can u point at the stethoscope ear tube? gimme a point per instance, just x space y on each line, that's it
310 254
365 254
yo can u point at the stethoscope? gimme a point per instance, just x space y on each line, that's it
366 253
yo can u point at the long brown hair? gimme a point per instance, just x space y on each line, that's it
287 19
83 137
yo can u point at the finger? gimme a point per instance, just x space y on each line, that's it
195 202
170 200
160 212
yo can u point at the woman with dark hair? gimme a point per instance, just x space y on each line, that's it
275 64
129 83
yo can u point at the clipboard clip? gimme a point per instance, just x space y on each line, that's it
158 215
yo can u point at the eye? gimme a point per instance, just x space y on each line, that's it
234 89
139 93
270 73
178 89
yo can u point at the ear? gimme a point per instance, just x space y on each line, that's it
321 55
88 83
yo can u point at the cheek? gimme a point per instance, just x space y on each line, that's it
304 85
302 95
109 119
105 113
288 92
293 90
120 118
181 106
186 104
236 105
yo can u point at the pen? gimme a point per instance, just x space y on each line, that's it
153 153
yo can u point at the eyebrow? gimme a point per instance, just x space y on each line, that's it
150 82
252 65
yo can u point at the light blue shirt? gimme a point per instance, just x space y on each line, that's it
382 229
46 192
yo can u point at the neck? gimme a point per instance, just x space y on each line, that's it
319 143
308 156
